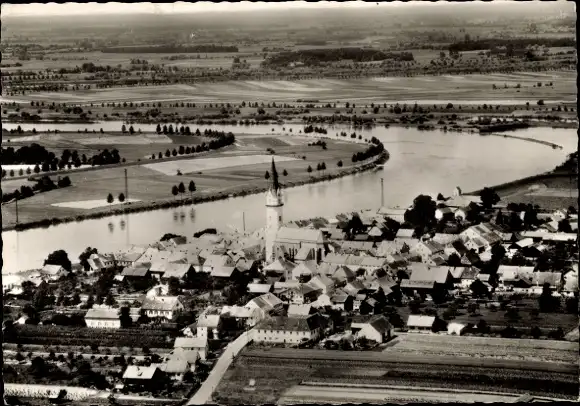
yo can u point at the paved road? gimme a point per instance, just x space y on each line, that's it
203 394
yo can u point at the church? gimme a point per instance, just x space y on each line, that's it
287 241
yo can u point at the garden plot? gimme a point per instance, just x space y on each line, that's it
91 204
207 164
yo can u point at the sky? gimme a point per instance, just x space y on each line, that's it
178 7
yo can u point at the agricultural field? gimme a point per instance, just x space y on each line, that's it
148 185
551 193
275 376
475 88
483 347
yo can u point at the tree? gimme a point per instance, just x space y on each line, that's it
158 130
181 188
110 300
174 152
482 326
125 317
123 129
535 332
191 187
174 190
39 300
489 197
285 172
59 257
478 289
422 214
85 255
546 301
309 169
121 197
173 286
36 170
110 199
339 164
267 175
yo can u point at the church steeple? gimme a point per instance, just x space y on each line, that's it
274 184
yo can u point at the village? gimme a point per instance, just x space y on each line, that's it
163 314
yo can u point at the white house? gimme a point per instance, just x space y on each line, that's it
455 328
281 329
162 306
209 325
420 324
377 329
103 318
199 344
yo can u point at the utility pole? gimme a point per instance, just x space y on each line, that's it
126 186
244 221
16 201
382 194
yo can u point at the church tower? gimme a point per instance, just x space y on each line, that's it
273 213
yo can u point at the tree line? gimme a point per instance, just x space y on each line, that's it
170 49
316 56
42 185
517 43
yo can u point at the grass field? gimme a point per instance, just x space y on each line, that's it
480 347
147 185
469 88
274 376
551 194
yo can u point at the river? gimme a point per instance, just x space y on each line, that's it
420 162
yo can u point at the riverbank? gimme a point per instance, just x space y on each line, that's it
220 195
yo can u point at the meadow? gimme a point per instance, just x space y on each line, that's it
428 89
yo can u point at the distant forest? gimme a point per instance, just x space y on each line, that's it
316 56
516 43
170 49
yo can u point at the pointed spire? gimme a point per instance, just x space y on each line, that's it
274 184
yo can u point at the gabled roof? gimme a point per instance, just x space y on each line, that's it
354 287
280 265
239 312
421 272
304 268
380 323
303 289
343 274
415 320
137 271
223 271
163 303
259 287
432 246
321 282
281 323
553 278
175 365
287 234
52 269
304 253
190 342
407 283
191 356
265 302
102 314
208 320
136 372
405 233
297 310
215 260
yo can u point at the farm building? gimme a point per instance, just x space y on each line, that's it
145 378
377 328
199 344
162 306
281 329
103 318
420 324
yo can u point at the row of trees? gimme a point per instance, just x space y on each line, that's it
180 189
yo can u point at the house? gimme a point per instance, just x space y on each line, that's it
99 262
281 329
267 302
322 283
570 285
260 288
420 323
53 272
215 261
302 294
226 272
461 213
377 328
141 377
159 290
341 300
175 270
354 287
516 280
456 328
245 265
484 232
103 318
426 249
135 273
343 275
179 362
369 306
443 213
554 279
280 267
304 269
199 344
468 276
405 233
293 239
304 310
209 325
244 316
162 306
